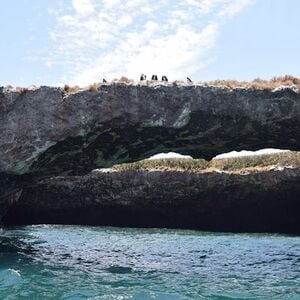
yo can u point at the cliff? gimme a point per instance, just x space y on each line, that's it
47 132
254 201
50 141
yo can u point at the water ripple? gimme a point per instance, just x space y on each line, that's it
76 262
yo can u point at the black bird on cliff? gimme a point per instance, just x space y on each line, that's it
143 77
164 78
154 77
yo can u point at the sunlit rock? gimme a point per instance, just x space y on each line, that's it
47 131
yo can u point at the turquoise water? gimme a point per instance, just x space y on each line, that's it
75 262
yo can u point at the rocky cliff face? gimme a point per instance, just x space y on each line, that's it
11 187
46 132
49 137
265 201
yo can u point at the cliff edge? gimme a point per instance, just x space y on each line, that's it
48 132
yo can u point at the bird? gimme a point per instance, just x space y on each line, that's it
104 81
164 78
154 77
189 80
143 77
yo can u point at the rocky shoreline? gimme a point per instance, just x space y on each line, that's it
256 201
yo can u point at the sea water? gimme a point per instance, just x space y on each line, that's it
77 262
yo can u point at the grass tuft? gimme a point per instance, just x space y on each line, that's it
257 83
9 87
126 80
93 87
184 164
21 90
290 158
71 89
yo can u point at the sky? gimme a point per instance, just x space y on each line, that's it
81 41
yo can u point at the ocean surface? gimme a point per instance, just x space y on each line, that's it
77 262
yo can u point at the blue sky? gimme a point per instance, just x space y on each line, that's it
80 41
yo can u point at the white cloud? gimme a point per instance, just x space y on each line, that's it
234 8
111 38
151 26
83 7
49 64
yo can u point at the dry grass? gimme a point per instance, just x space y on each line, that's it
178 82
125 80
275 82
290 158
74 89
9 87
71 89
21 90
184 164
233 164
93 88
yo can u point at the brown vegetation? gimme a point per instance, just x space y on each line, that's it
93 87
290 158
184 164
275 82
71 89
178 82
9 87
21 90
233 164
126 80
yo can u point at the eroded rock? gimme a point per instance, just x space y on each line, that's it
11 187
256 201
46 132
48 137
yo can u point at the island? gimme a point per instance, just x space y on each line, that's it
59 149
